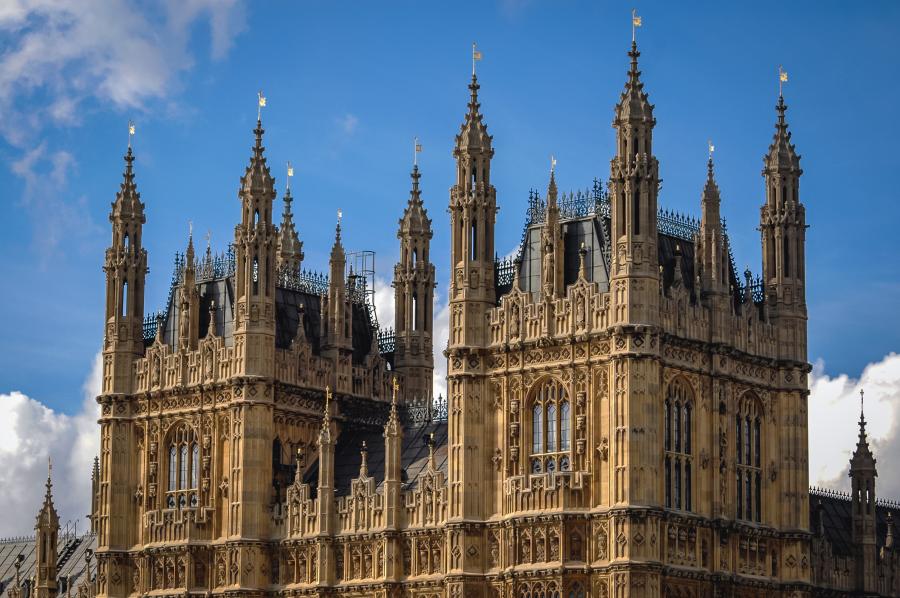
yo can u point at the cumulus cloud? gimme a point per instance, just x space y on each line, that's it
833 411
30 432
61 54
61 60
384 303
440 338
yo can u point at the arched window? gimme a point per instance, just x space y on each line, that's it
678 443
125 298
173 469
474 240
564 437
184 468
551 426
537 428
551 429
748 462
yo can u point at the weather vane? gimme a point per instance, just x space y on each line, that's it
261 102
635 23
340 215
476 55
290 173
130 132
552 163
417 147
782 79
710 147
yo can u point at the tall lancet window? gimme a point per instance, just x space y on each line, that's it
678 446
551 425
748 462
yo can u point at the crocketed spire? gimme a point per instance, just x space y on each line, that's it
128 204
633 105
782 156
257 180
862 459
415 217
47 518
473 132
290 248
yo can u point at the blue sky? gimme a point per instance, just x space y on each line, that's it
350 84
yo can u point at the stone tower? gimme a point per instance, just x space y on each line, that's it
46 530
255 240
414 299
783 227
862 482
126 269
473 207
634 305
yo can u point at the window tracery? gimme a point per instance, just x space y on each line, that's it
184 468
677 441
748 459
551 428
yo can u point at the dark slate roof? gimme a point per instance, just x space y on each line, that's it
221 290
593 231
414 456
287 316
834 509
70 560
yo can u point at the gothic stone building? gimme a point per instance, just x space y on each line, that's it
626 416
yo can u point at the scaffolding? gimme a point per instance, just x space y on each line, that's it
361 280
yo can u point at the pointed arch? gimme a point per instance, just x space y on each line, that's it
677 441
550 425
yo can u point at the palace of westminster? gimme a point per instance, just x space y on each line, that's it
625 414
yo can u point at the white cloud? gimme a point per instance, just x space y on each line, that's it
348 123
384 303
29 433
833 413
61 54
441 335
61 60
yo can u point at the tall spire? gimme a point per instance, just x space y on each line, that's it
290 248
634 105
46 531
473 134
711 252
782 155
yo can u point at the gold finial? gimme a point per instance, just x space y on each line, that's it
130 132
710 147
290 173
635 23
476 55
260 104
552 163
417 147
327 399
782 79
396 387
